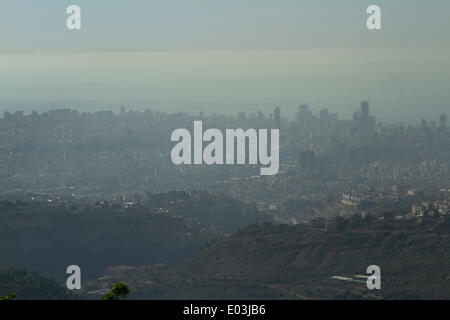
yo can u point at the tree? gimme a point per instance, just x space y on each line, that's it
9 296
118 290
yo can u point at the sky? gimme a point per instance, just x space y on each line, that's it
227 56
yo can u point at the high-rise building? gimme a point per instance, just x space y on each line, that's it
7 115
323 115
305 116
423 124
303 109
443 121
364 120
277 118
365 110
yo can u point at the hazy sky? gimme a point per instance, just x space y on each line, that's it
215 53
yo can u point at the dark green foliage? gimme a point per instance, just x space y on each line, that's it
109 296
118 290
10 296
30 286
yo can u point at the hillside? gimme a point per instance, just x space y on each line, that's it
31 286
50 241
297 262
47 236
414 259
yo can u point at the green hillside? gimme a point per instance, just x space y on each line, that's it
31 286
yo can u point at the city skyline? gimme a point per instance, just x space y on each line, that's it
226 55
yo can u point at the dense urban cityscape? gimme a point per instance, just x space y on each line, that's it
324 162
104 174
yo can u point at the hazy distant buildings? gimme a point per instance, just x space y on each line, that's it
303 109
333 117
6 115
323 116
423 124
304 116
365 122
260 116
443 121
365 110
308 161
326 118
277 118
